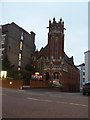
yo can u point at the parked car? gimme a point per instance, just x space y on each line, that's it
86 88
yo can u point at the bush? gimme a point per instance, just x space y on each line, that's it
9 78
5 64
16 75
56 84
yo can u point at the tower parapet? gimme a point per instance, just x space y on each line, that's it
56 26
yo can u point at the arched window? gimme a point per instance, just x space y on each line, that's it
56 75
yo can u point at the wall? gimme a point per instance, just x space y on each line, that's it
87 65
12 45
16 84
38 84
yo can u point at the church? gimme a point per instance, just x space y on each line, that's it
52 62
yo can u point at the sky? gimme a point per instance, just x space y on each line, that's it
35 16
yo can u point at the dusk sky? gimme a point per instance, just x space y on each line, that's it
35 16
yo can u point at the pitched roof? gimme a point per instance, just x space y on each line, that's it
67 59
43 52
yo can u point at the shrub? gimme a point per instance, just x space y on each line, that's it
56 84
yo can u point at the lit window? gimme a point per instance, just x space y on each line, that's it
19 56
21 45
3 74
19 63
22 36
3 38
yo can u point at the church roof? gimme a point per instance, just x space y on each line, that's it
67 59
44 53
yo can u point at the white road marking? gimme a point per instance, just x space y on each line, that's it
57 102
79 104
73 97
32 93
20 90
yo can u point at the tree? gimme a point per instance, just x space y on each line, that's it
29 68
5 64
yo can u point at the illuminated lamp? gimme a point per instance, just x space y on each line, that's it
37 73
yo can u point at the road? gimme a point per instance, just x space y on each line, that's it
43 103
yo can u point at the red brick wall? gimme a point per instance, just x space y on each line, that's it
38 84
71 79
16 84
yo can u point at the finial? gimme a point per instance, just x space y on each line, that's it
63 22
49 21
60 19
53 19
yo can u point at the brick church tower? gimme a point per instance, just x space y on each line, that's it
55 50
56 39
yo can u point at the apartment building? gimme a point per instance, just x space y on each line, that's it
17 45
81 67
87 65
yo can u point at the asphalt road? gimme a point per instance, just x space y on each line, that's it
42 103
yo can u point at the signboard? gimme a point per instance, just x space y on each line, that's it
37 76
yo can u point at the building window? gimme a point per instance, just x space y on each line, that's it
2 52
83 79
83 68
83 73
19 63
3 38
22 36
20 56
9 48
56 75
34 58
21 45
2 45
